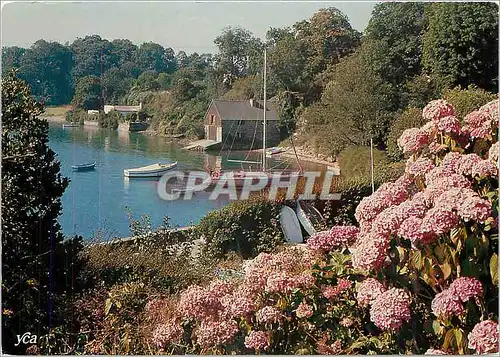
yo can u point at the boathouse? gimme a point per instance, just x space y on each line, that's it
238 123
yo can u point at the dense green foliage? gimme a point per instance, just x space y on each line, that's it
460 44
37 266
244 227
467 100
355 161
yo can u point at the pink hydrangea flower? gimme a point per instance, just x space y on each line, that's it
451 161
449 124
268 314
391 309
478 124
484 168
420 167
304 310
493 153
411 229
437 109
199 302
484 337
336 237
238 304
331 292
166 333
347 322
285 282
465 288
216 333
474 208
435 147
368 291
412 140
370 252
491 110
466 163
439 221
452 199
388 221
446 304
416 207
257 340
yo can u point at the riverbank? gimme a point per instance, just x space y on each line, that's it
304 155
54 118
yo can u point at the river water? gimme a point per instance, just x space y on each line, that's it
98 202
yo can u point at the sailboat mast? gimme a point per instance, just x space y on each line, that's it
265 122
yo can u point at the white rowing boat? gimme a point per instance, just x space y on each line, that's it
155 170
290 225
310 218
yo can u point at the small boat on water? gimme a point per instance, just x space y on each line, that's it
70 125
155 170
290 225
84 167
273 151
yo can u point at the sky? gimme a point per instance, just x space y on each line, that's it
187 26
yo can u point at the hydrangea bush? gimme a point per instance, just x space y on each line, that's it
418 274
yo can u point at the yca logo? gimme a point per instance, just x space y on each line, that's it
26 338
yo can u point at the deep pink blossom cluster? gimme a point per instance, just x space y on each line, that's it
257 340
450 301
334 238
268 314
216 333
437 109
449 124
484 337
304 310
413 140
466 163
331 292
485 168
391 309
368 290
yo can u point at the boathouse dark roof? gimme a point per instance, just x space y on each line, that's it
245 109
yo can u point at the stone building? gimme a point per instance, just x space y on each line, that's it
238 123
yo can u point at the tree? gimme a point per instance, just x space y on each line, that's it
116 84
93 56
88 93
11 57
36 263
153 57
239 54
460 45
353 108
46 67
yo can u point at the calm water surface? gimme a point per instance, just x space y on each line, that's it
98 201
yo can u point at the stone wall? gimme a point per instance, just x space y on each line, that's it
244 133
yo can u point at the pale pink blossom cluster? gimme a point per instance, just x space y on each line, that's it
391 309
450 301
419 167
466 163
216 333
478 124
484 337
412 229
466 203
437 109
334 238
284 282
167 333
238 304
485 168
304 310
347 322
257 340
439 220
370 251
413 140
491 109
449 124
268 314
331 292
368 290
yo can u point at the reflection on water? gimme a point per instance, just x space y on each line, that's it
99 199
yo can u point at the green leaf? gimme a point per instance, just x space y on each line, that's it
459 340
448 339
446 269
494 269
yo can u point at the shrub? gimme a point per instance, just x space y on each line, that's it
467 100
76 116
410 118
355 161
110 120
246 227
